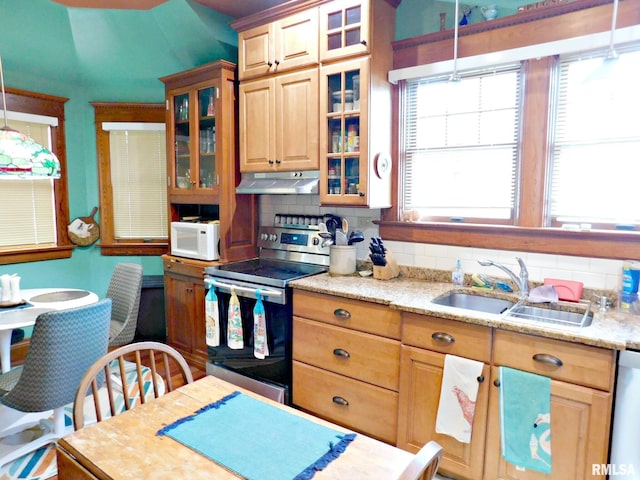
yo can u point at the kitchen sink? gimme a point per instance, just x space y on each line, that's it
470 301
572 316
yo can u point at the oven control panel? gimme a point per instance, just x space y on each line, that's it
291 240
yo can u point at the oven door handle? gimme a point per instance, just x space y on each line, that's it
270 293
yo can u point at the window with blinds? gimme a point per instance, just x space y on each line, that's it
138 179
596 140
32 215
461 147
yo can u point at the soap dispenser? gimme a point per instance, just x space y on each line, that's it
457 276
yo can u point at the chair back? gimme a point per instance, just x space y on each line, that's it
124 290
425 463
63 345
122 372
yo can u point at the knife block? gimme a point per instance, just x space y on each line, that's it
389 271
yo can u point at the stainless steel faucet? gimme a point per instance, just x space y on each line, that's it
521 281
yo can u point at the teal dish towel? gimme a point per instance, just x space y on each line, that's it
525 419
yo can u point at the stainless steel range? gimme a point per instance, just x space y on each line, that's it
289 250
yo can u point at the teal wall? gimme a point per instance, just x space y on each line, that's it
118 55
100 55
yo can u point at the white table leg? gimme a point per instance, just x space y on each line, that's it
5 350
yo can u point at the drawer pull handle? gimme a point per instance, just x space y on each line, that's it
339 352
443 337
342 313
480 378
340 401
496 382
548 359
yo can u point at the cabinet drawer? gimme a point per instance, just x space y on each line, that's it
447 336
353 404
560 360
180 267
355 354
348 313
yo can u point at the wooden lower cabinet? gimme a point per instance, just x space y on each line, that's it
184 309
346 362
580 424
580 414
420 382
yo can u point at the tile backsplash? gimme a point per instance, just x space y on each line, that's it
595 273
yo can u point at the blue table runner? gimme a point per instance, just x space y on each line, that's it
259 441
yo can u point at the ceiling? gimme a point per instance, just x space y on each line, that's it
231 8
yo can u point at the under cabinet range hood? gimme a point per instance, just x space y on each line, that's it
305 182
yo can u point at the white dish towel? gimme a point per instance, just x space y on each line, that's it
458 397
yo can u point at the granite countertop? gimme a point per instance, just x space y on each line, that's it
612 329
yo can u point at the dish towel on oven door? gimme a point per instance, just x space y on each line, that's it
235 338
458 397
260 342
212 318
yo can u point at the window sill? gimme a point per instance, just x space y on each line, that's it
31 254
144 249
593 243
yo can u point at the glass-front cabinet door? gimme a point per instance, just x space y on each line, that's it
194 139
344 132
344 29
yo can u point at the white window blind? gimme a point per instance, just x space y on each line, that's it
31 218
596 142
138 178
461 146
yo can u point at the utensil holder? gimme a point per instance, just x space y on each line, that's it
342 260
389 271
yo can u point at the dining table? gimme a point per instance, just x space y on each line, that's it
246 436
35 301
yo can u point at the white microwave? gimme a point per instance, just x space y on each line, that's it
196 240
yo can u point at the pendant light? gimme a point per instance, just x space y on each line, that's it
20 155
455 77
612 54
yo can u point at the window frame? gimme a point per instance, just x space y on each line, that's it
528 234
121 112
52 106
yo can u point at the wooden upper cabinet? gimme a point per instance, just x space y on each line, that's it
345 29
279 46
279 123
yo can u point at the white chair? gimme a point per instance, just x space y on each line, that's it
425 463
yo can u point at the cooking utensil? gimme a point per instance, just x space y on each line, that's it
84 231
345 225
341 238
355 237
327 242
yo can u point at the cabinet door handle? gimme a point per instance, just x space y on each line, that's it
341 313
496 382
270 64
363 42
278 162
270 162
277 62
340 401
443 337
480 378
548 359
340 352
